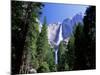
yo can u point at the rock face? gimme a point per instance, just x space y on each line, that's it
54 30
66 28
60 31
68 24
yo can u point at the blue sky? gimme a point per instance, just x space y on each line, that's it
58 12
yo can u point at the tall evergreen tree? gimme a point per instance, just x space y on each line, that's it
42 46
50 59
63 57
42 43
71 52
61 65
89 30
79 49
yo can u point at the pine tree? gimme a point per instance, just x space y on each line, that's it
85 41
42 45
89 30
79 49
50 59
71 52
62 57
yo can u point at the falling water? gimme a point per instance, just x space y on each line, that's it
56 57
57 45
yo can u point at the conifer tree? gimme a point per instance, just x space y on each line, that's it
63 57
89 30
71 53
42 46
50 59
42 42
79 63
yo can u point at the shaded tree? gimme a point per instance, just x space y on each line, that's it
89 30
85 41
63 57
79 49
71 52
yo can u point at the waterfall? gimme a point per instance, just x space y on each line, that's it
60 35
57 44
56 56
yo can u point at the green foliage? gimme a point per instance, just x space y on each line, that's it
71 56
50 59
79 49
44 67
85 42
43 50
62 57
60 52
66 67
42 43
24 32
79 54
90 35
71 52
34 32
35 63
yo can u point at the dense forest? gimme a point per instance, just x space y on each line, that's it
31 52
